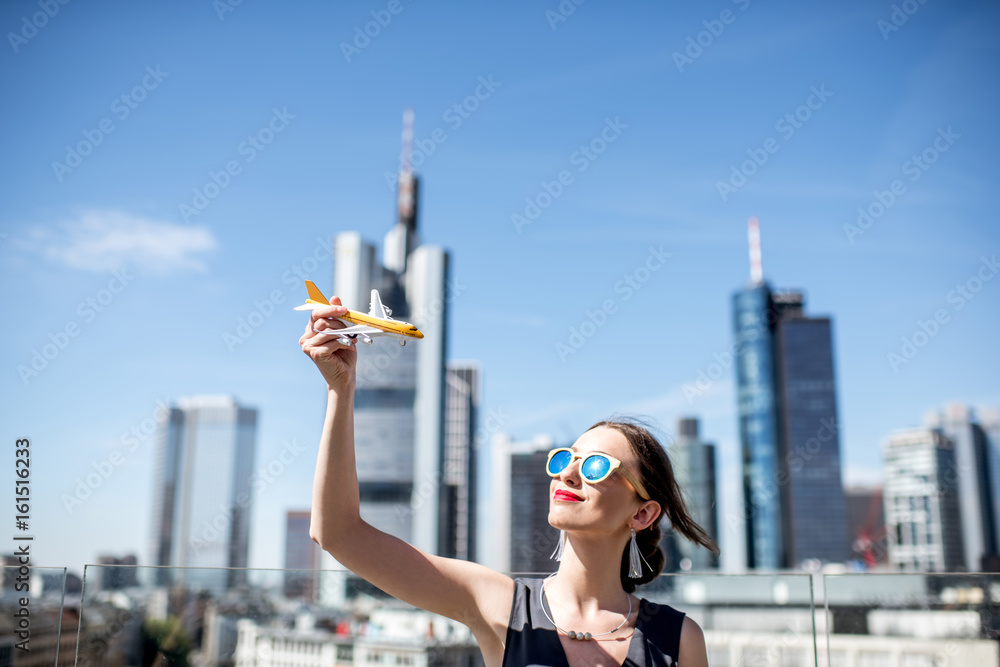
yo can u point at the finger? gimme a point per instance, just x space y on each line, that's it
321 347
327 312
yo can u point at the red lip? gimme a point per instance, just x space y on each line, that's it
566 495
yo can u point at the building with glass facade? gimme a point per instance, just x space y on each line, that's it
203 493
922 504
975 466
693 462
516 535
463 389
301 553
794 506
399 402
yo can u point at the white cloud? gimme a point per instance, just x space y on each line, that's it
104 240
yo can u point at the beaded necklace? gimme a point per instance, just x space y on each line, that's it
572 634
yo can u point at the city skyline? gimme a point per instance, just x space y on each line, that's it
166 261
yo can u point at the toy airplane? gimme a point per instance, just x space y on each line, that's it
376 323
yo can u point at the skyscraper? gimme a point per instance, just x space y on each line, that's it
693 462
923 521
301 553
793 496
463 382
202 489
989 421
399 401
975 486
519 537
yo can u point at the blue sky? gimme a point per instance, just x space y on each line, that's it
200 83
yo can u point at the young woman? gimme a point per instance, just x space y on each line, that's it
609 491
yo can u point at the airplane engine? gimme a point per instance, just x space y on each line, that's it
366 339
402 343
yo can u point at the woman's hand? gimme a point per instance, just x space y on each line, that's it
337 361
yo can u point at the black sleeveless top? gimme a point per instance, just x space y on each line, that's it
532 640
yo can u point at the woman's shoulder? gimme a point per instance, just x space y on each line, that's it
663 627
660 612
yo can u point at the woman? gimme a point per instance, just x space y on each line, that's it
616 479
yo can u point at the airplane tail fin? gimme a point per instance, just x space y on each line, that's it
377 309
316 297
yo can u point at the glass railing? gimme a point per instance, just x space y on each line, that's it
911 620
266 618
39 615
748 619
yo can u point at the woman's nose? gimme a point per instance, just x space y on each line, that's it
571 473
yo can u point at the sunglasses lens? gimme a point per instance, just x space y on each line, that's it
559 462
595 468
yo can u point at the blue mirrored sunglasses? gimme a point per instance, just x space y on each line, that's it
595 468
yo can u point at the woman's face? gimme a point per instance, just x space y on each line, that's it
605 507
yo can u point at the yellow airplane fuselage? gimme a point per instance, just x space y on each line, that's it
389 326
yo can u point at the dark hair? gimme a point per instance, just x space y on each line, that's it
657 475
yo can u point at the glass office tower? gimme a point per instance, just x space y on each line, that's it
463 382
817 505
202 489
758 408
922 504
693 462
974 470
794 505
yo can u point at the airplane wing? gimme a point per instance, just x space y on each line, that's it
377 309
353 331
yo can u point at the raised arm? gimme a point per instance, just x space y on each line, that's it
467 592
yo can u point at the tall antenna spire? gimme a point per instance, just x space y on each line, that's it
405 201
756 269
402 238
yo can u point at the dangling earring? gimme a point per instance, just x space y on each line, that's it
557 554
634 556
